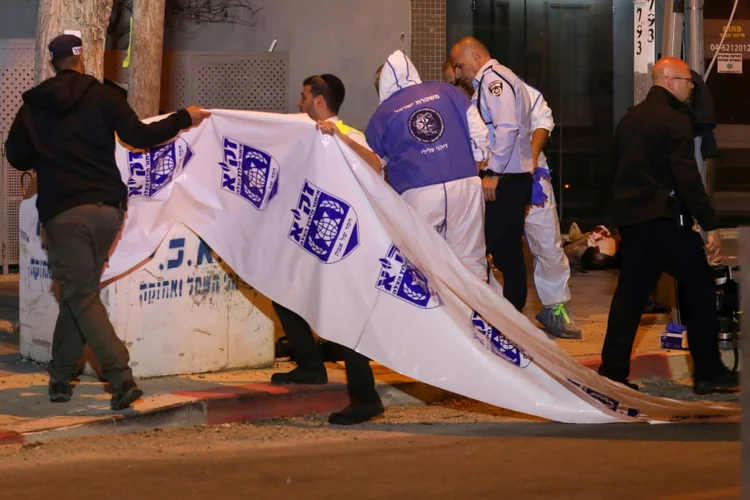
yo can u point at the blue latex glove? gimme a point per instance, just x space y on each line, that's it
537 191
675 328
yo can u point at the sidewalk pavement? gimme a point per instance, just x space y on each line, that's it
176 402
26 415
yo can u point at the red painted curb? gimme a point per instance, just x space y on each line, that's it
261 406
11 437
251 402
233 404
652 365
592 363
236 391
641 366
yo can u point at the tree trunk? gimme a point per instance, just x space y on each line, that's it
90 17
144 87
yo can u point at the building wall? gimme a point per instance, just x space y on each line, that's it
428 37
18 18
347 38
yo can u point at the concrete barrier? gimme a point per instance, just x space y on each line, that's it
183 311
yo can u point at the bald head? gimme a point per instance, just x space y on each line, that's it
468 56
469 43
668 67
673 75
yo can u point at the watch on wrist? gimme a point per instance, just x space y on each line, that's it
488 173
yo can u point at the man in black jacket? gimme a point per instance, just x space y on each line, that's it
657 193
65 130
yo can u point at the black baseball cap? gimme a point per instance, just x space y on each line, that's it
65 46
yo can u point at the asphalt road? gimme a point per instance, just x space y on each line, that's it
419 453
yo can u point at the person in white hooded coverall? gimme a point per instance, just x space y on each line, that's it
542 228
431 139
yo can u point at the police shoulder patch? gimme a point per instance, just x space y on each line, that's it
496 88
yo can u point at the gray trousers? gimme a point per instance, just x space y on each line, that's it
78 244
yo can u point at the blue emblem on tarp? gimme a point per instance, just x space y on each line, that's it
324 225
249 173
400 278
152 170
610 403
498 343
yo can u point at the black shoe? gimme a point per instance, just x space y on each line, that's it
630 385
300 376
624 381
724 382
126 395
356 414
60 391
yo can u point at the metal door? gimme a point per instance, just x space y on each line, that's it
564 49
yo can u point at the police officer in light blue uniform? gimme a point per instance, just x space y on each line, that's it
551 266
505 106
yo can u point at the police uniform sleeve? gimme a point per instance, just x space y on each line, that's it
690 189
18 147
133 131
478 134
541 114
480 139
499 104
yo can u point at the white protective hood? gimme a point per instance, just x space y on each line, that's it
398 73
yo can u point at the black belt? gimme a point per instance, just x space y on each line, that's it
483 174
122 205
523 175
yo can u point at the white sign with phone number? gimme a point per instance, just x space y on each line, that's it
644 36
730 63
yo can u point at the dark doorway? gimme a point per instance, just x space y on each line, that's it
564 49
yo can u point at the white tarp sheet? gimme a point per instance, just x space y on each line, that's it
300 218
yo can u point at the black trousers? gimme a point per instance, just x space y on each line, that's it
78 243
503 233
360 381
647 250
